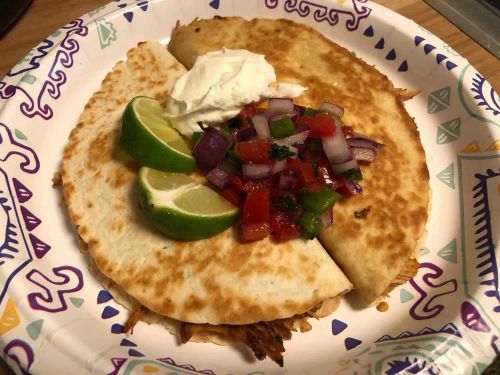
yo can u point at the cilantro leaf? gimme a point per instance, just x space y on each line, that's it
279 152
353 174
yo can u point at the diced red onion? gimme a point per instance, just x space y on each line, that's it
254 171
301 147
292 115
364 142
334 109
301 128
363 154
356 135
278 106
211 148
353 187
287 180
300 109
279 166
244 134
295 138
327 218
218 178
293 149
261 126
340 168
228 165
361 143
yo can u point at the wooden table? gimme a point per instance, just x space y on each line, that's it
43 17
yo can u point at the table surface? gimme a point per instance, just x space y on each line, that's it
42 18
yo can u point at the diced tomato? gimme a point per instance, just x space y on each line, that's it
232 195
337 182
294 164
259 184
306 173
304 170
235 181
348 131
320 125
283 226
246 114
256 151
253 232
257 206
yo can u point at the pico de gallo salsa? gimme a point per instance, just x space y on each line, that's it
284 167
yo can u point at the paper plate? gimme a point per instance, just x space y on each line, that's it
55 318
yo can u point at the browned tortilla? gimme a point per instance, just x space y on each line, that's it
215 281
371 251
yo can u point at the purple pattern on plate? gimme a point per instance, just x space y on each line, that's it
103 297
414 366
40 247
117 328
484 245
214 4
30 220
135 353
351 343
109 312
15 252
430 290
490 103
493 343
450 329
338 326
117 365
9 147
129 15
170 361
22 192
428 48
472 318
13 350
127 342
56 78
40 52
391 55
52 299
331 14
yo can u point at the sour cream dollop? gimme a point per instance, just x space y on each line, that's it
218 86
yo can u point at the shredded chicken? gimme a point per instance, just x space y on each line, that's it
406 94
134 318
408 271
57 180
264 338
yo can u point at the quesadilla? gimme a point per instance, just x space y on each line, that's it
256 293
376 236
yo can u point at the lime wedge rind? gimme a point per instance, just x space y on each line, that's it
178 223
140 140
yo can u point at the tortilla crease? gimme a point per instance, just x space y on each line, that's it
215 281
371 251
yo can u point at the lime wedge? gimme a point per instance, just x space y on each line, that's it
182 208
149 138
